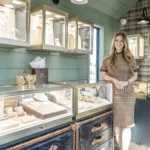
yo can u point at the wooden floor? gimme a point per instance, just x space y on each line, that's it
133 146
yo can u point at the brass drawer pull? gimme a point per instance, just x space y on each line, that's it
98 140
94 129
53 147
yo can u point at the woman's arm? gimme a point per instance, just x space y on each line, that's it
133 78
106 77
130 80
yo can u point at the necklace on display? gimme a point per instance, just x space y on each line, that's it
3 21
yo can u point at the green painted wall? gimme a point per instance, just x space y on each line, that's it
61 67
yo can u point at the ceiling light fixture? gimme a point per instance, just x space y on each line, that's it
144 19
17 2
79 1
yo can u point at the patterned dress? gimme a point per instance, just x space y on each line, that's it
124 100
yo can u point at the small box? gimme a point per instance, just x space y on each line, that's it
41 75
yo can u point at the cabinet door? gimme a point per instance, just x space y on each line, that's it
90 129
60 142
93 142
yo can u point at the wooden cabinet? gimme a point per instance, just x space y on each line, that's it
80 36
94 132
136 45
48 29
62 139
14 23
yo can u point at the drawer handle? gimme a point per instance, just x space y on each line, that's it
53 147
94 129
98 140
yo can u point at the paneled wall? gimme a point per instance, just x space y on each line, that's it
61 67
133 28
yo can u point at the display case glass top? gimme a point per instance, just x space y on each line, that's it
93 98
80 35
26 110
48 28
14 23
136 45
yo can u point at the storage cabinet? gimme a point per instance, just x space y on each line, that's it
94 132
80 36
14 23
62 139
48 29
136 45
106 146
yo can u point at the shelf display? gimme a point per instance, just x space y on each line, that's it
80 35
48 29
14 23
141 89
136 45
32 109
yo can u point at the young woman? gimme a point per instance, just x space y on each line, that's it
120 68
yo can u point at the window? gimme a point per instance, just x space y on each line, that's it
94 59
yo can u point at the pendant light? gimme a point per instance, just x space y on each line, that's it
79 1
144 19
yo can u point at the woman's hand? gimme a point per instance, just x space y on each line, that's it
124 83
118 84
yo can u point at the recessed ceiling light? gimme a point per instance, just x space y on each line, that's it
85 25
17 2
58 16
79 1
50 18
48 13
9 5
39 15
79 23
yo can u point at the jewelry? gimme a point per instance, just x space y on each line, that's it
3 21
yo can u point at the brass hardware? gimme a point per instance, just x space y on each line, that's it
94 129
53 147
95 141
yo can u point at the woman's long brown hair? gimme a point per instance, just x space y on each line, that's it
128 57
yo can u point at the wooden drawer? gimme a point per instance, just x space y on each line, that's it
90 129
96 141
106 146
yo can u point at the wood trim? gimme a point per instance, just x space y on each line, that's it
39 139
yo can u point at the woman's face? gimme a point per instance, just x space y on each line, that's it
119 44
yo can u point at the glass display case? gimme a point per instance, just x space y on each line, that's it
80 36
136 45
48 29
91 98
14 23
141 89
26 110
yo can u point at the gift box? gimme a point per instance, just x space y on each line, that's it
41 75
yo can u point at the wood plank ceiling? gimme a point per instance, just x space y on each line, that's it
114 8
